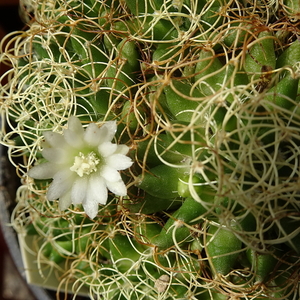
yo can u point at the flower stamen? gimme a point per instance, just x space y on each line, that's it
85 164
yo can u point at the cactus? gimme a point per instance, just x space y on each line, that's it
206 97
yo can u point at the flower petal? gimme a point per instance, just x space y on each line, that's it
74 125
97 190
90 208
122 149
96 193
54 139
79 190
92 135
117 187
74 133
65 201
110 174
56 155
74 139
107 131
107 148
43 171
119 161
62 182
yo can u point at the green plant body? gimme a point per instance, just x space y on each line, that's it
175 230
263 264
261 55
222 249
156 183
204 97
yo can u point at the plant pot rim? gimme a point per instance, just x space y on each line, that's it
9 234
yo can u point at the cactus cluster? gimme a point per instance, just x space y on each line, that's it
206 96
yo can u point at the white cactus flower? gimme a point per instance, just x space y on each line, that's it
83 165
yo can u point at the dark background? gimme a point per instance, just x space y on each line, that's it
12 285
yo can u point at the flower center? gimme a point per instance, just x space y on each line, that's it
85 164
